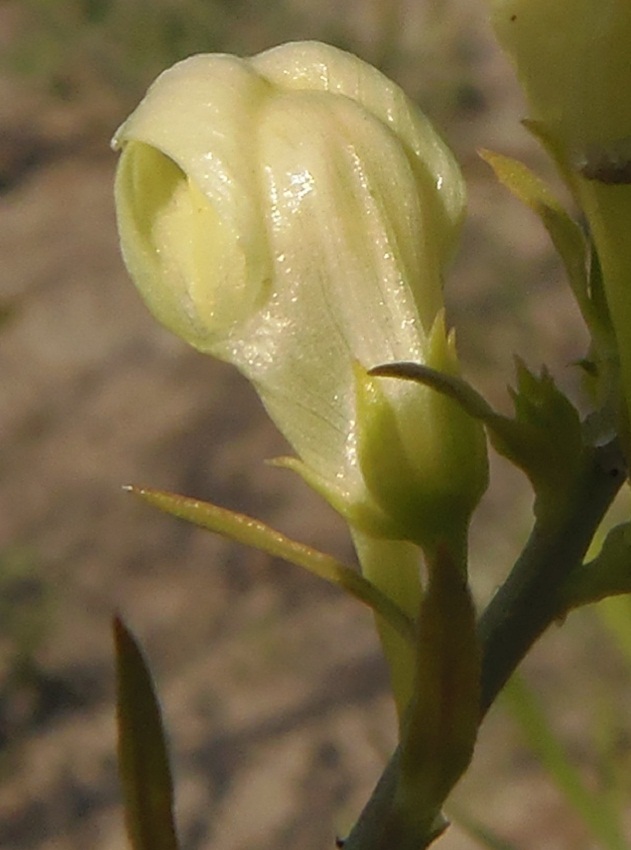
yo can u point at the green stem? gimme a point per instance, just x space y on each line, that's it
530 598
524 606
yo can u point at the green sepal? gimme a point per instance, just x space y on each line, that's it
441 726
381 454
251 532
548 431
423 505
422 468
143 761
608 574
544 439
363 513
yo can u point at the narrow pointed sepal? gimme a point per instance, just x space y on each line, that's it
547 436
251 532
361 512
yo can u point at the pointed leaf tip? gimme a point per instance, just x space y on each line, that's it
144 767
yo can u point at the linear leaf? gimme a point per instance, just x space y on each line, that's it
251 532
438 738
142 753
566 235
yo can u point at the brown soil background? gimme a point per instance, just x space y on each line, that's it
274 692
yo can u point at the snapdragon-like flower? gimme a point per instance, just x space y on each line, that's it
292 214
573 58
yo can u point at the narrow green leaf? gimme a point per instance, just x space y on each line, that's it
142 753
599 816
251 532
441 727
616 616
566 235
608 574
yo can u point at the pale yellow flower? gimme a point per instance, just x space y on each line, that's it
292 213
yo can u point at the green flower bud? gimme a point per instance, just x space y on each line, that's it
292 214
420 458
573 59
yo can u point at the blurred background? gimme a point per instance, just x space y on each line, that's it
274 692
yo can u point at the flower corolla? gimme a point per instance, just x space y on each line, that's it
292 214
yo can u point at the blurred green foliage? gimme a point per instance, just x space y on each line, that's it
25 611
79 49
592 773
26 620
599 807
72 46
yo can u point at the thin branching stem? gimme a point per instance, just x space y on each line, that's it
522 609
